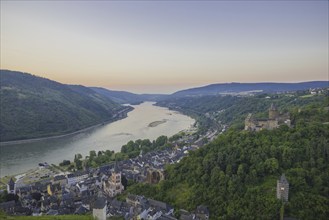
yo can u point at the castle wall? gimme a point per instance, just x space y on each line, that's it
275 119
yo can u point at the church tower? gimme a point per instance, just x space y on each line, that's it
113 185
11 187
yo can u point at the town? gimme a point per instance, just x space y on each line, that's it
93 190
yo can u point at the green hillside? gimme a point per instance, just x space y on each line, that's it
232 110
34 107
235 175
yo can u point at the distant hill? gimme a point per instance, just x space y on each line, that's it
34 107
221 88
123 97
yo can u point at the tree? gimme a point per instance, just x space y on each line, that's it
160 141
92 154
271 165
78 164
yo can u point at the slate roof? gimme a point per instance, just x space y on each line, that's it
11 182
159 205
81 210
77 173
7 205
100 203
201 209
52 212
60 177
116 204
283 179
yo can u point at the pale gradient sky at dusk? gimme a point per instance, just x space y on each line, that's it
160 47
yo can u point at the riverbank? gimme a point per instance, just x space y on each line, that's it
18 158
121 115
47 173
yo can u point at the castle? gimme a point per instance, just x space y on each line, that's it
275 119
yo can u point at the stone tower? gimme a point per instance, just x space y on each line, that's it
273 112
282 189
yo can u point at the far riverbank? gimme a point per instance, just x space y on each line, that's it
31 140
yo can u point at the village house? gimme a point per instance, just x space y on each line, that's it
76 177
60 179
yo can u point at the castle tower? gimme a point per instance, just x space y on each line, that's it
11 187
282 189
273 112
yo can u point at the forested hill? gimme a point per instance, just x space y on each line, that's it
232 110
34 107
236 174
220 88
123 97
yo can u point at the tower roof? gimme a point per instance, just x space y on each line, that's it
11 182
283 179
116 169
273 107
100 203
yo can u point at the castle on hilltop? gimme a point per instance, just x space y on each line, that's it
275 119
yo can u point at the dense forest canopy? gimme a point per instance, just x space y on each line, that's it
236 174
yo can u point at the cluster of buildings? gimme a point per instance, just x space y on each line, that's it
94 191
150 167
274 120
139 207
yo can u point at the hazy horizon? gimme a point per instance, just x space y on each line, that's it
162 47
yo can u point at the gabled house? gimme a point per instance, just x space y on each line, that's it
76 177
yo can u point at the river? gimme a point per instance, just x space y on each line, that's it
18 158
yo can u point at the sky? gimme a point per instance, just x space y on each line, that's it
164 46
